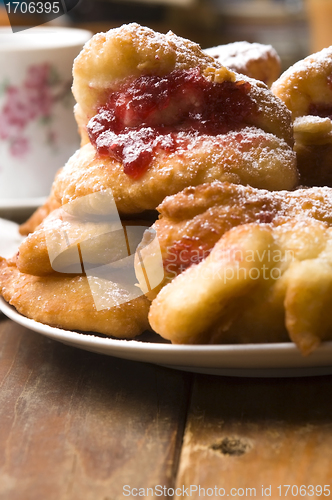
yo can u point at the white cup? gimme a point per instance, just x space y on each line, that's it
38 132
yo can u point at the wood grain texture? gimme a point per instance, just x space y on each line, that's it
75 425
249 433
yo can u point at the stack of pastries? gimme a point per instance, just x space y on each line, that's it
238 253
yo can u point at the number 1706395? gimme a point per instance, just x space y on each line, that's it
34 7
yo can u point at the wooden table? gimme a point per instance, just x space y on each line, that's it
76 425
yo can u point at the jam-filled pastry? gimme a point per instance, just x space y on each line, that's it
256 60
248 156
244 265
76 270
157 114
66 302
192 221
306 89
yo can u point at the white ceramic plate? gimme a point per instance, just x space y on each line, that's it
262 360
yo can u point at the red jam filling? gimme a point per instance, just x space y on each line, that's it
185 253
190 250
155 113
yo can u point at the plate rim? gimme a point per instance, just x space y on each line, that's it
266 359
22 203
155 352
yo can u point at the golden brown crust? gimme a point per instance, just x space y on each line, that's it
203 302
204 213
53 246
306 83
248 157
67 302
258 283
127 52
255 60
266 268
193 221
130 51
306 89
313 147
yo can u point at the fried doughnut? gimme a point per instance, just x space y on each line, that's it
306 89
124 53
114 69
180 119
157 114
255 60
79 236
214 238
76 270
67 302
148 101
191 222
259 283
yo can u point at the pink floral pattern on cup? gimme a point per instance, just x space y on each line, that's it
32 101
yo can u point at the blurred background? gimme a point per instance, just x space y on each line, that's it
295 28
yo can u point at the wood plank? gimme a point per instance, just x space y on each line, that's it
77 425
254 433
